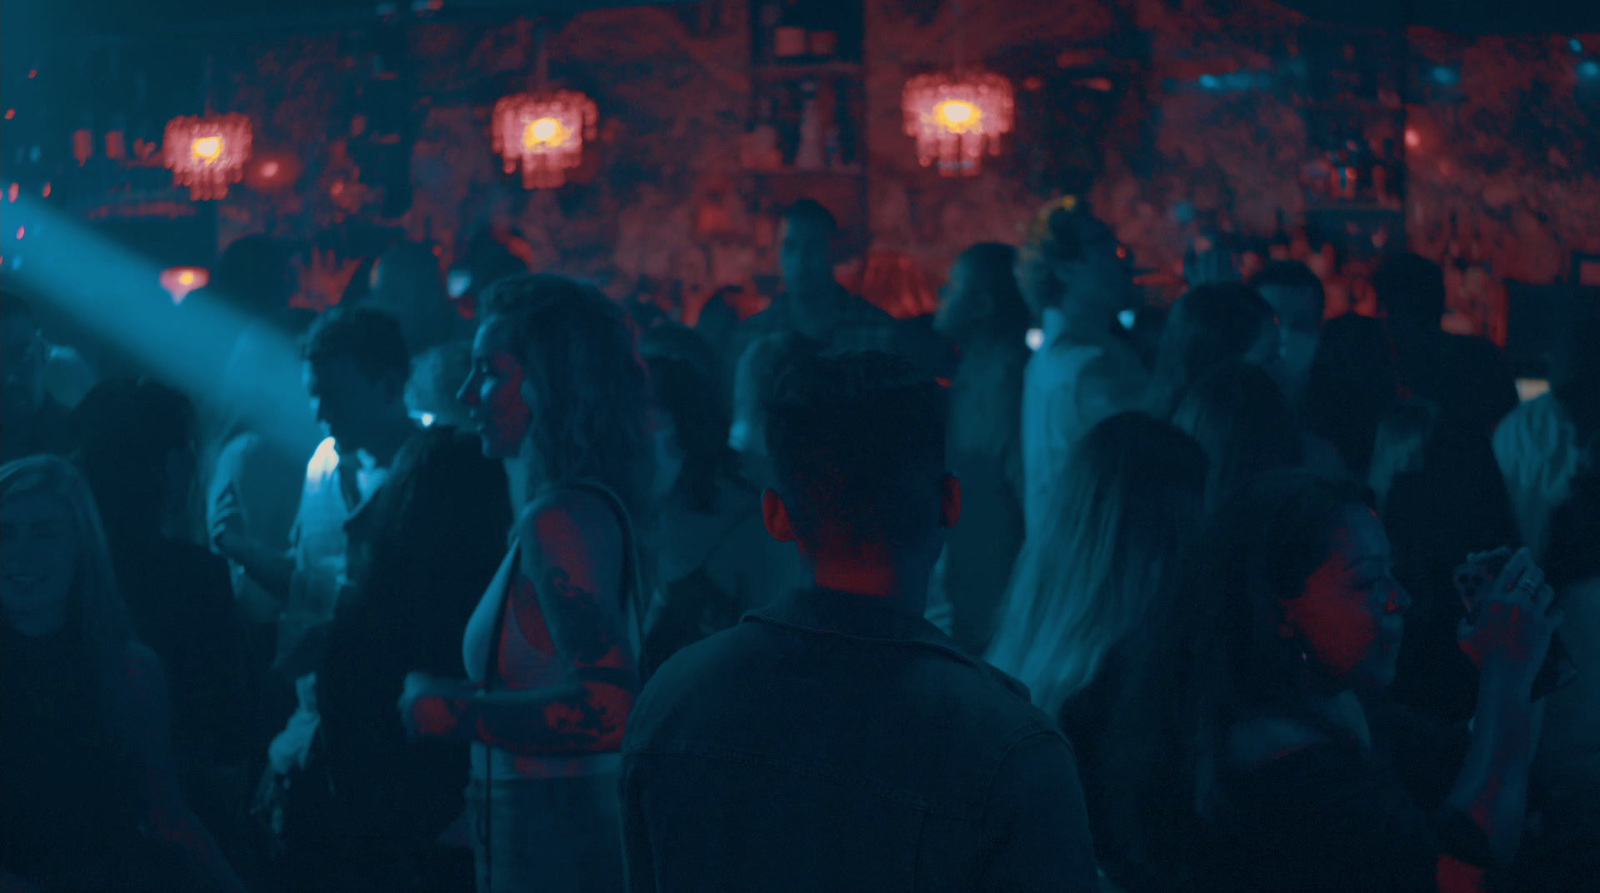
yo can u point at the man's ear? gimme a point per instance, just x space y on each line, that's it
776 516
950 501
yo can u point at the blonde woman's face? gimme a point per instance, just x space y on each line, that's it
39 557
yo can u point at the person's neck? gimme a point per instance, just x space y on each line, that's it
903 585
1080 321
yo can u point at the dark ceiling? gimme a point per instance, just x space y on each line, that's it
28 19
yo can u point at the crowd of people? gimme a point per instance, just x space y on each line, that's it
1236 597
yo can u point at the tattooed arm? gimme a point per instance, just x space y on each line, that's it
570 573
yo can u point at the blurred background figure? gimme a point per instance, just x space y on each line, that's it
714 556
1466 377
1075 283
1075 621
1209 327
35 421
1540 445
1239 416
91 797
1440 499
1351 384
982 312
409 284
1296 296
763 363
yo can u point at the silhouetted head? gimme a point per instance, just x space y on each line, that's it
1351 384
1297 297
1071 260
805 251
982 296
1210 327
255 275
137 445
692 451
857 443
355 369
1239 416
1411 291
764 362
408 283
556 379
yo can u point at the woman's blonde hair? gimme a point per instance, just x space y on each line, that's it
1130 500
97 609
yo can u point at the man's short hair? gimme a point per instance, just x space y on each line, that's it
370 338
1292 275
811 212
1411 287
857 443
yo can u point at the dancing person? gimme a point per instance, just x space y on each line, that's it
1074 621
844 741
90 798
1075 283
1255 752
982 311
552 648
764 362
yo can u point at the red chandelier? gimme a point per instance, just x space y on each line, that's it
207 152
542 132
955 117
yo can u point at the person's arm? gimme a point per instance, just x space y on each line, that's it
1035 826
571 566
1508 643
167 818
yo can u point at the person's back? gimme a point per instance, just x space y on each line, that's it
846 746
835 739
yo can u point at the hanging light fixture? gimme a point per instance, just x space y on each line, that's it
542 131
956 115
207 152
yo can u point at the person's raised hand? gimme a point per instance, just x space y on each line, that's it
1515 620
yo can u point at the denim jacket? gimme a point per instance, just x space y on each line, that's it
837 742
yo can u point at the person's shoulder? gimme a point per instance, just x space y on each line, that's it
700 673
562 517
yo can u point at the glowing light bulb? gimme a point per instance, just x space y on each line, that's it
186 277
269 169
958 112
207 149
1413 138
